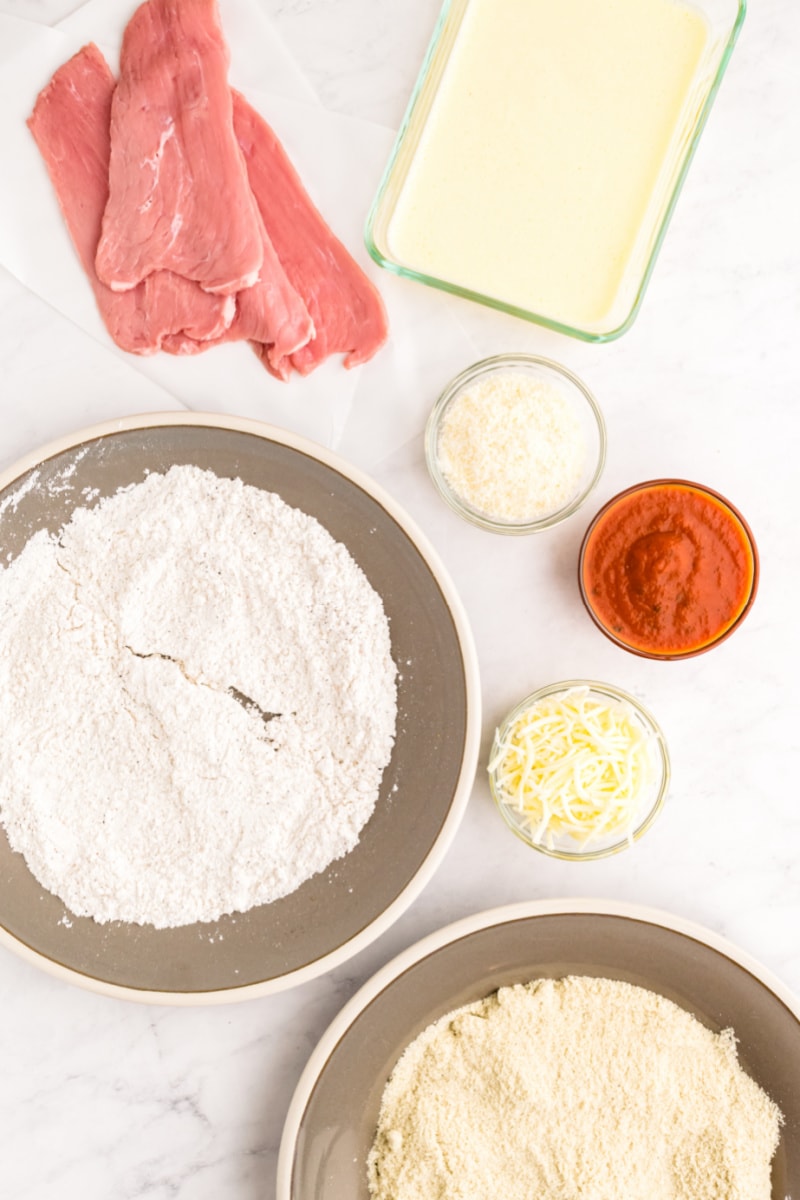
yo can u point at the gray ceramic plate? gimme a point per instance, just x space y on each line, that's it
332 1118
336 913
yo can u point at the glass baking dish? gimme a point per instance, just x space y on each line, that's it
721 21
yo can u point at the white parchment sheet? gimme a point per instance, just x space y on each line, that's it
366 413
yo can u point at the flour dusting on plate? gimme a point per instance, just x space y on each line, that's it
197 701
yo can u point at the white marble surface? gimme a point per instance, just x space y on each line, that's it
101 1100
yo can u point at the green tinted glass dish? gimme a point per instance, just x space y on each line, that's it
723 18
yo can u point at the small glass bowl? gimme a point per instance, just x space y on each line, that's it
584 406
737 520
651 802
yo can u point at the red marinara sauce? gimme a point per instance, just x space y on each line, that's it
668 568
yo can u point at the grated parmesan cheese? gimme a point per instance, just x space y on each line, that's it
512 447
575 765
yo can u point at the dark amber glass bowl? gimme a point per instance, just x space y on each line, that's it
621 568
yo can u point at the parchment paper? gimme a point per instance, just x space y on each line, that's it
366 413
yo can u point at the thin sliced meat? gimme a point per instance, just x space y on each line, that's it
179 199
270 313
70 123
347 311
176 307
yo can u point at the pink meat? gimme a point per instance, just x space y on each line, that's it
174 306
347 311
70 123
270 313
179 199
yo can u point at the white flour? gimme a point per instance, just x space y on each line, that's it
575 1089
142 655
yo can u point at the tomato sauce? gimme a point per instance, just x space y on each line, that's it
668 568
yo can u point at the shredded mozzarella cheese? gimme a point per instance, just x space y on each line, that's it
575 765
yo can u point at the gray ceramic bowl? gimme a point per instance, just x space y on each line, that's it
341 910
332 1118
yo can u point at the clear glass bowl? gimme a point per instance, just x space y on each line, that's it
583 405
747 539
724 19
564 846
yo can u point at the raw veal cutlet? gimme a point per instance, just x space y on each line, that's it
179 198
347 311
270 313
70 123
